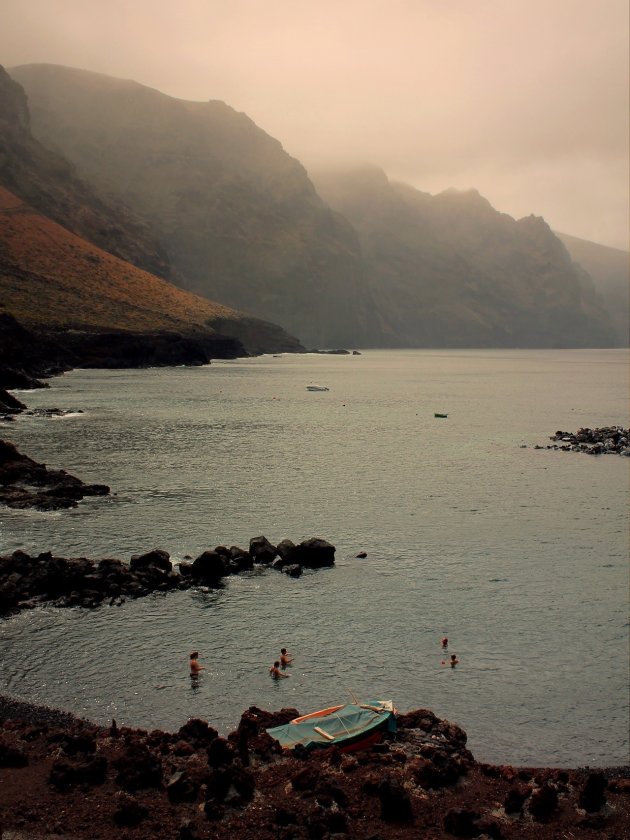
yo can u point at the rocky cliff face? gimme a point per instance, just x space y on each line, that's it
610 271
238 217
53 276
50 184
240 222
451 271
55 281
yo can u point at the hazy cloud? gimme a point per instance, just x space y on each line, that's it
526 100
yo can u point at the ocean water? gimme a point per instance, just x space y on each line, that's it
519 555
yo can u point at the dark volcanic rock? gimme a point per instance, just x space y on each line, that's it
129 812
75 582
158 558
26 356
287 554
608 440
182 788
592 796
515 799
543 802
24 483
138 768
12 756
132 350
67 773
316 553
26 581
261 550
395 802
209 568
462 822
10 404
198 732
170 786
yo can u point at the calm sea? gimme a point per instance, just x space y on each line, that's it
519 555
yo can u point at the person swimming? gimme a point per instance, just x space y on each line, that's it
453 660
195 665
444 642
275 671
285 657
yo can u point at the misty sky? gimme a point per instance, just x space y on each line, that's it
526 100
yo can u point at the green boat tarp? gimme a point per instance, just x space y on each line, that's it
347 725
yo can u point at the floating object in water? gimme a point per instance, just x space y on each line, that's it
317 388
440 415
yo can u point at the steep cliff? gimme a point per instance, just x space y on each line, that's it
69 260
238 217
450 271
54 281
49 183
610 270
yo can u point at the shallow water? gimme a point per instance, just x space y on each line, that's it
519 555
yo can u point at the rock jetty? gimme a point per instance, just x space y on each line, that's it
607 440
66 777
27 581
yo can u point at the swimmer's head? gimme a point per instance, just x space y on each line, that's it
276 664
194 654
283 650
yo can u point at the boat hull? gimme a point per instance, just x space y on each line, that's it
347 727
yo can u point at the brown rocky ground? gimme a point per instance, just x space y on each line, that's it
62 777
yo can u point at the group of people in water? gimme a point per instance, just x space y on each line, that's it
453 661
279 665
277 669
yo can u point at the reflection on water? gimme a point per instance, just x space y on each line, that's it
519 556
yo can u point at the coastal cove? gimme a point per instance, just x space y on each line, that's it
518 555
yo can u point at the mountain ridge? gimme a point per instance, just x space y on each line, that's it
43 278
610 269
69 259
346 259
238 217
465 274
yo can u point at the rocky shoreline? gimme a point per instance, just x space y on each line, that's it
607 440
24 483
63 776
27 582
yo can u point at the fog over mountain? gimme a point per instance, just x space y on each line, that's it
372 263
238 217
77 264
450 270
610 269
525 101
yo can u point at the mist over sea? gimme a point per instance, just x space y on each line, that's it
519 555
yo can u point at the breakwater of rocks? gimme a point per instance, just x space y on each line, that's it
26 581
607 440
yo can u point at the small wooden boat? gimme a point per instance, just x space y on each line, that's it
440 415
352 726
